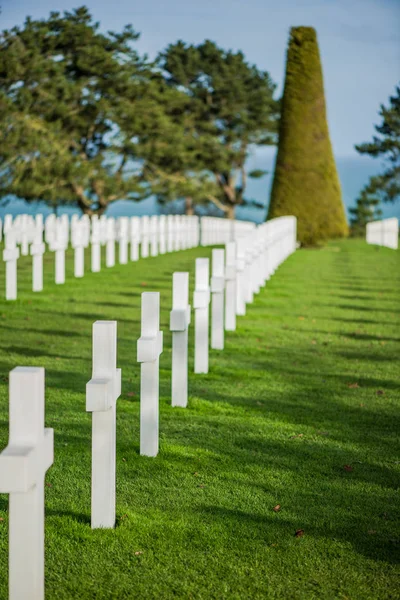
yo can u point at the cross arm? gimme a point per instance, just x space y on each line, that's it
21 467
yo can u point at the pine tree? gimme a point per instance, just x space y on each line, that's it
306 182
386 145
365 211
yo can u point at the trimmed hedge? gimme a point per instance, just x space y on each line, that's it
306 182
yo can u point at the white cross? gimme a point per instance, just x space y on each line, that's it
217 299
149 348
230 292
102 392
179 325
162 223
23 465
170 233
123 230
110 244
154 235
59 244
95 239
144 237
134 232
10 257
240 278
201 301
37 251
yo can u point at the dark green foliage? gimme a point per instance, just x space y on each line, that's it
228 108
386 145
306 183
77 107
364 212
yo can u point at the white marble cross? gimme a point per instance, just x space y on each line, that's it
102 392
110 244
201 301
154 235
230 290
149 348
78 244
217 299
58 244
23 465
170 233
10 257
37 251
144 236
240 278
134 232
179 322
162 224
123 240
248 273
8 223
95 239
24 234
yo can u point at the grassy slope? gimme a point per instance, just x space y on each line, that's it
274 422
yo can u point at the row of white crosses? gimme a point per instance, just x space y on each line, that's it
146 236
383 233
29 454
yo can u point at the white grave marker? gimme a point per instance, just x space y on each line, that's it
10 257
149 348
230 289
58 244
217 299
179 324
154 226
240 279
201 301
110 244
37 251
144 236
134 237
102 392
95 239
23 465
123 240
78 244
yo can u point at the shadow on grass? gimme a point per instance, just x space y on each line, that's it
274 530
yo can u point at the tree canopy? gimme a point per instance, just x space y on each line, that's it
78 108
86 120
227 108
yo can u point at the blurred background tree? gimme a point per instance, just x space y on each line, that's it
228 110
75 105
306 183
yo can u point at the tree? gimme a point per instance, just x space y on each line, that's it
226 109
306 183
365 211
386 144
76 108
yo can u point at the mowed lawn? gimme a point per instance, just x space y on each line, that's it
300 410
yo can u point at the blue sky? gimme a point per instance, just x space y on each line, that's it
359 43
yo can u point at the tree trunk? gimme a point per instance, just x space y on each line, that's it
189 206
230 213
86 210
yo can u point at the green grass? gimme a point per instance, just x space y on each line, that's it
307 384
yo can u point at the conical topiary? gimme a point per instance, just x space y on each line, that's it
306 183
